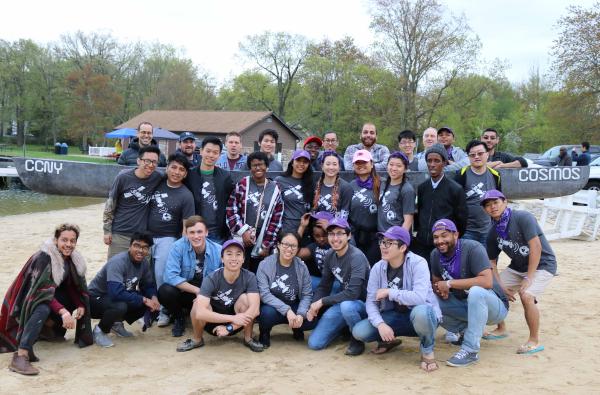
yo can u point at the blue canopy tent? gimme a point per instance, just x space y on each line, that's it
158 133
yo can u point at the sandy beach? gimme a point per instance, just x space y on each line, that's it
149 363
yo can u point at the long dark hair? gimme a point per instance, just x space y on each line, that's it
404 159
307 185
336 187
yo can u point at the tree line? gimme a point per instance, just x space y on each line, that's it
423 69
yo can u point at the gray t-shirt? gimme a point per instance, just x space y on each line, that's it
209 204
293 201
363 208
285 286
224 295
253 194
275 165
120 269
473 260
475 187
395 277
325 202
168 208
317 253
131 196
394 204
522 227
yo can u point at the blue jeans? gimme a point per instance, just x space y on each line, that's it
477 236
269 317
337 286
420 322
470 315
160 253
337 317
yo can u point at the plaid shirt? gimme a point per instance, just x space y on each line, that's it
380 154
236 216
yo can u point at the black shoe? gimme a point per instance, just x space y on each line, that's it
178 327
254 345
298 334
265 339
356 347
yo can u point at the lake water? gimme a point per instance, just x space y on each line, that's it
17 201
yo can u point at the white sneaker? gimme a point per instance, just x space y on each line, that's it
452 337
101 338
163 320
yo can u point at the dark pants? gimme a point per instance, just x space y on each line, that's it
368 243
421 249
109 311
251 263
175 300
269 317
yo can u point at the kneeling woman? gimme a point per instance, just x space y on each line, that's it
50 286
285 290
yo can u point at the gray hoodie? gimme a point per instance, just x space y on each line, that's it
265 275
416 288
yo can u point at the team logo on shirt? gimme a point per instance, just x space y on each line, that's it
163 208
365 200
130 284
137 193
208 196
254 199
224 297
394 283
284 288
319 254
476 189
513 246
325 201
337 273
387 207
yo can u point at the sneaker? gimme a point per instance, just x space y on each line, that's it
265 339
356 347
452 337
178 327
101 338
163 320
119 329
189 344
463 358
254 345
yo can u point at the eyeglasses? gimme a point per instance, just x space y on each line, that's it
409 142
330 140
141 247
258 165
149 162
288 246
387 243
477 154
336 234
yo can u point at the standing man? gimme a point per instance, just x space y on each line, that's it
437 198
457 158
171 203
142 139
211 187
476 180
350 267
584 158
407 143
469 295
497 159
191 259
267 143
330 143
126 209
368 138
313 144
233 159
187 147
564 159
429 139
532 265
123 290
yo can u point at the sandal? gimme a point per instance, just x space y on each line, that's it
494 335
383 347
429 364
529 348
189 344
254 345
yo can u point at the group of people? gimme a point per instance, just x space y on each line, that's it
371 259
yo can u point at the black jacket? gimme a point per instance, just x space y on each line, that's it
130 155
223 187
446 201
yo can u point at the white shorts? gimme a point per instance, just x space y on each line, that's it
512 280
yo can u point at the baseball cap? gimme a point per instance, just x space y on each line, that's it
338 223
362 155
230 243
322 215
186 135
444 224
300 153
492 194
311 139
445 129
397 233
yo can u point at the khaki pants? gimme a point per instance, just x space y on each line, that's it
119 243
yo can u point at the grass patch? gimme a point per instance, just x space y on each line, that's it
38 151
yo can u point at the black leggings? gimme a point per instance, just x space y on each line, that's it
109 311
175 300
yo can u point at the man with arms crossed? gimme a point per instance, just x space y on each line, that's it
187 147
233 159
497 159
368 138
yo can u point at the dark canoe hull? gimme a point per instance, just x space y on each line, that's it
69 178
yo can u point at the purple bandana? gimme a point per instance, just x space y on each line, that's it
368 183
449 151
502 223
452 263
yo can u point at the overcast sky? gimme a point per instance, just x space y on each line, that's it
515 31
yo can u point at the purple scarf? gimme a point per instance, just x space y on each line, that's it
449 151
368 183
452 263
502 223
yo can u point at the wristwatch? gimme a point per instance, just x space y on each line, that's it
229 328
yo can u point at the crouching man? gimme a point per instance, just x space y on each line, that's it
400 301
228 301
123 290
